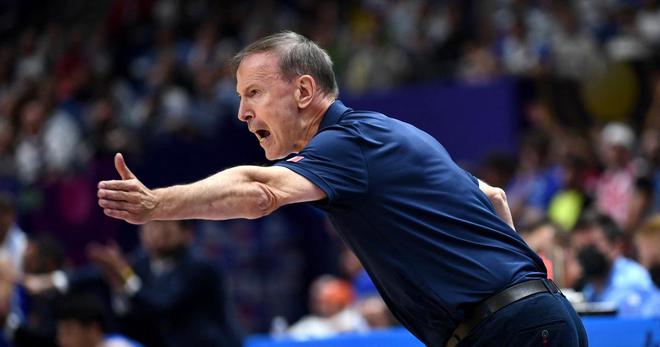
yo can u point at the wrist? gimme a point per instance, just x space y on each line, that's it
156 211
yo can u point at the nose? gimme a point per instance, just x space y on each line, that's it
243 114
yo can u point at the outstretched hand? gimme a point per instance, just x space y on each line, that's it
128 198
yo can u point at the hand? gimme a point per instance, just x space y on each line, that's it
497 197
111 262
128 198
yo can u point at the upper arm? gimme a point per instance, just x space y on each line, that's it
283 186
334 162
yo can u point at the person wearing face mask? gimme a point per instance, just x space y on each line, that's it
607 274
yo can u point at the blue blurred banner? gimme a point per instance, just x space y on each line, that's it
469 120
602 331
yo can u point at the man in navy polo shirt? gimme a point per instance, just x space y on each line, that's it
438 243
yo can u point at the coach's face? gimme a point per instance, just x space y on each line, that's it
269 105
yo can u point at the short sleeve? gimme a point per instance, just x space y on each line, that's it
471 177
333 161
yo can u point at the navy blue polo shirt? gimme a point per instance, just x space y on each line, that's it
428 237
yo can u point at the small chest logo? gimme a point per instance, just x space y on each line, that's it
296 159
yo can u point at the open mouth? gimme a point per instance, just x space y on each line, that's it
262 134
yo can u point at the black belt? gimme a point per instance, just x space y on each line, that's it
496 302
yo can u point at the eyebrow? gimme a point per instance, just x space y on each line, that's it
248 87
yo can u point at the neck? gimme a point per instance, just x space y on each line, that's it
314 120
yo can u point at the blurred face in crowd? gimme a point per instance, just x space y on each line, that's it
648 247
163 238
42 255
269 106
330 296
541 238
615 155
32 117
595 252
72 333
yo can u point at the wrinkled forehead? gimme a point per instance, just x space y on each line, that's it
256 67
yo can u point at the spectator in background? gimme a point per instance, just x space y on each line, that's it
82 322
167 296
350 265
32 320
574 50
609 276
647 240
540 237
331 311
615 187
520 52
12 239
650 144
167 54
105 134
30 162
368 302
568 203
536 181
648 23
626 44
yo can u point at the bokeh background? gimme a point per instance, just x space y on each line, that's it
557 102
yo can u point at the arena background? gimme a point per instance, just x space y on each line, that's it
513 89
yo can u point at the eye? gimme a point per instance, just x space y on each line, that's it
253 92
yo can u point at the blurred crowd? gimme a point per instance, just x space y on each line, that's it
81 80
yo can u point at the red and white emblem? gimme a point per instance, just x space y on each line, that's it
296 159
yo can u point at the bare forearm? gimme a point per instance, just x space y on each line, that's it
233 193
239 192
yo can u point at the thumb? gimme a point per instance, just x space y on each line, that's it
121 167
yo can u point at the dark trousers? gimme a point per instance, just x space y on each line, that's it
541 320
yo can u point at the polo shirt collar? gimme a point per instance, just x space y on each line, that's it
333 114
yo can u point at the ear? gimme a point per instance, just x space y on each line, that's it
305 90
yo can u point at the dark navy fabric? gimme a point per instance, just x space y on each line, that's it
543 320
426 234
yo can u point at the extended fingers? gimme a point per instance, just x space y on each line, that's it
118 195
127 186
119 214
118 205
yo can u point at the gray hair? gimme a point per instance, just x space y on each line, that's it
298 56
